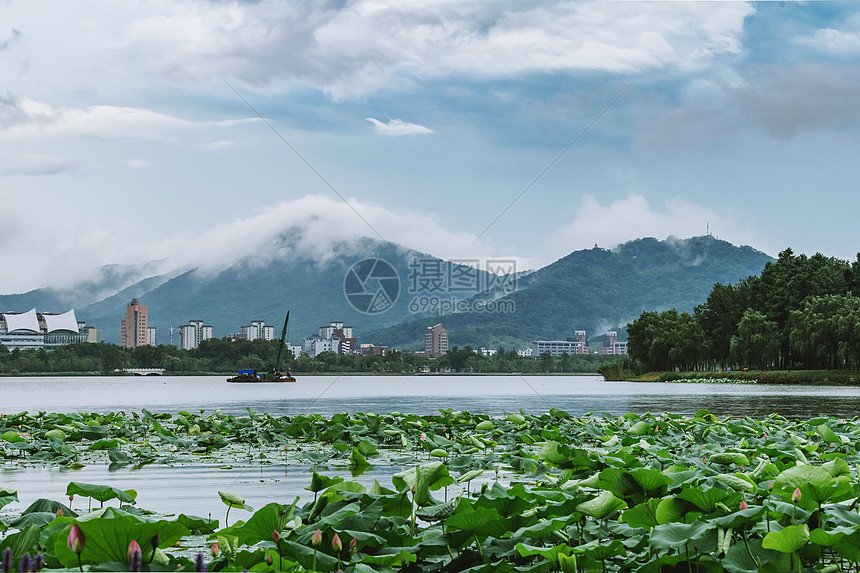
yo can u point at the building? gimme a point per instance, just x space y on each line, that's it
373 350
151 336
609 344
579 336
258 329
557 347
133 326
436 341
31 329
314 345
193 333
346 341
577 344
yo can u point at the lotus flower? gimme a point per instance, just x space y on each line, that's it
132 547
215 549
76 539
269 560
276 537
59 512
316 539
352 545
336 544
743 505
795 497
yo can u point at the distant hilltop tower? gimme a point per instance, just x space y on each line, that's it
134 326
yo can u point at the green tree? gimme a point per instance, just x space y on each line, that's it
756 345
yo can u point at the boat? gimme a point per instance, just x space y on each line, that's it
251 375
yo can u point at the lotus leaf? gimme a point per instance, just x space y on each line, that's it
101 493
108 534
7 496
601 506
788 540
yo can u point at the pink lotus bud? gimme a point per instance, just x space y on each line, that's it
770 486
832 445
132 547
336 544
743 505
215 549
795 497
276 537
423 436
59 512
269 560
352 545
76 539
316 539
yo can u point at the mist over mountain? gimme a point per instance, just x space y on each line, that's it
594 289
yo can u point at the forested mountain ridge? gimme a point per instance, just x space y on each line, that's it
598 290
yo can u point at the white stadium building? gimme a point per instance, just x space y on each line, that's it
33 329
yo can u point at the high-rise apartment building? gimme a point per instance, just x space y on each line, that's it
133 326
193 333
435 341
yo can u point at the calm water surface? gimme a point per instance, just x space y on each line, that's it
420 394
193 489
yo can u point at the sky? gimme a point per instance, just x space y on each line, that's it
193 131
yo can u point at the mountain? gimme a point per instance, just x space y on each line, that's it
255 287
596 290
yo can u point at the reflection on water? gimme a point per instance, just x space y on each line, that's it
192 490
328 395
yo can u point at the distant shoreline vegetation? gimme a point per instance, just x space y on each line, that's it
220 356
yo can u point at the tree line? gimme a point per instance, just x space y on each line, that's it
226 356
800 313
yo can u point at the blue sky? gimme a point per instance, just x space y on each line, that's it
122 139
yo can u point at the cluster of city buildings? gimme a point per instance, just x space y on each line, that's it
34 329
578 344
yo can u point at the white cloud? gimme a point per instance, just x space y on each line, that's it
26 119
313 225
396 127
137 163
368 45
219 145
29 164
633 217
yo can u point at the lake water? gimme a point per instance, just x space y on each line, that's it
419 394
193 489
